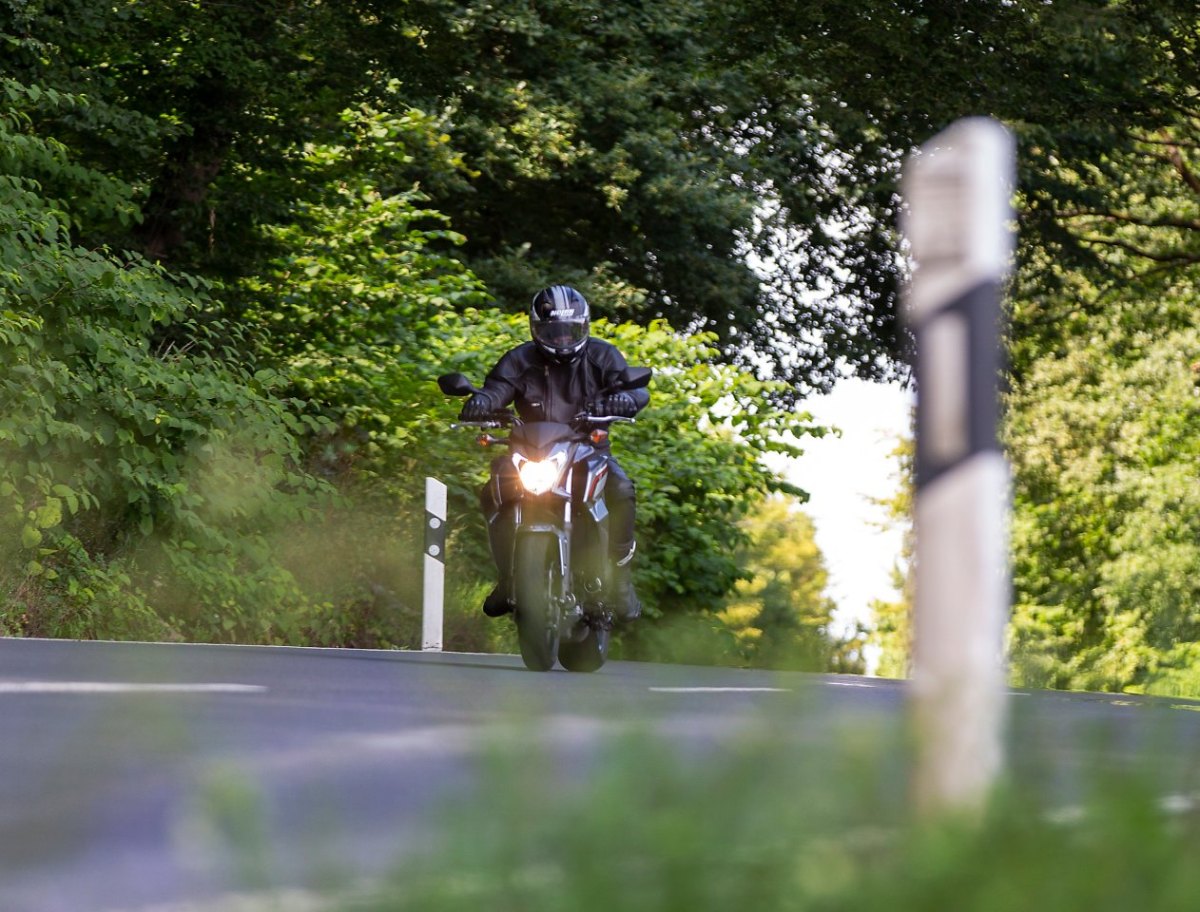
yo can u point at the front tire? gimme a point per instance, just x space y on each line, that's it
537 579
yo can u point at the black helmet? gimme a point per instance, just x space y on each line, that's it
558 322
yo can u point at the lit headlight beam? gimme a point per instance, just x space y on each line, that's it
540 477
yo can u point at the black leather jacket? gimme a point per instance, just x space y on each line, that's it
544 390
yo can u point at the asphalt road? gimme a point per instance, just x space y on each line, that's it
143 776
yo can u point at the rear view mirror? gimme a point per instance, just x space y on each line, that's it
636 378
456 385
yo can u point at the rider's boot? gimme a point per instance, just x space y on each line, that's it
499 601
625 604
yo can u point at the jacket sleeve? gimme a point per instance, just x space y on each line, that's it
616 364
641 397
500 385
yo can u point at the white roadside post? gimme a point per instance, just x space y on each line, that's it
958 191
435 565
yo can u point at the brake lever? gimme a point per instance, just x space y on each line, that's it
585 417
485 423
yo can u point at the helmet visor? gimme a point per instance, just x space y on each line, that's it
560 336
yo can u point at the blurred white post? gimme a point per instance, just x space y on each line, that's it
958 189
435 565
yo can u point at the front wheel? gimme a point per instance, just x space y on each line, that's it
537 578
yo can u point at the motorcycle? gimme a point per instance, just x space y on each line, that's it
561 572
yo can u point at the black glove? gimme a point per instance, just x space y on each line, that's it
621 405
477 408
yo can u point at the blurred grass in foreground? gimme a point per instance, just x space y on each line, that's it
766 829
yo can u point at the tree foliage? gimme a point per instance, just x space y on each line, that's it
729 166
346 309
239 241
891 621
139 481
160 487
1101 423
1100 95
671 166
1105 441
780 613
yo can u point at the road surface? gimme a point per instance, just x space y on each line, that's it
125 768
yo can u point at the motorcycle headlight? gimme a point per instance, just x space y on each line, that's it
540 477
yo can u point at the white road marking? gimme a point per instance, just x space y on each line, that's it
849 684
1171 805
677 690
293 899
11 688
1178 804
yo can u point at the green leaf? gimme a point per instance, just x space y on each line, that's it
49 514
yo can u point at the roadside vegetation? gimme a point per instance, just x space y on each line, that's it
757 831
775 822
239 241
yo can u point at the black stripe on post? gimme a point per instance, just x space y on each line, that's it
435 536
958 368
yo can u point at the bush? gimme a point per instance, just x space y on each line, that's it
141 463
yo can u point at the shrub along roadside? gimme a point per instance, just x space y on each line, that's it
763 825
144 471
764 830
1132 859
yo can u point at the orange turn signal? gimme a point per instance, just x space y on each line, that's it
484 440
598 436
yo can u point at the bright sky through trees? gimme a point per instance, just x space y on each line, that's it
844 475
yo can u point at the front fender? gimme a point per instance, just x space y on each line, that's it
562 543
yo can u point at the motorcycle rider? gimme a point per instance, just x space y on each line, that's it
555 377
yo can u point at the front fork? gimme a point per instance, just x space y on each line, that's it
543 525
582 546
591 539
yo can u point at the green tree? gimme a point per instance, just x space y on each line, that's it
891 621
650 153
185 99
357 320
618 140
346 310
1100 95
351 186
656 204
780 613
1105 441
141 483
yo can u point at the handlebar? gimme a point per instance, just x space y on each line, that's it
505 420
583 424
